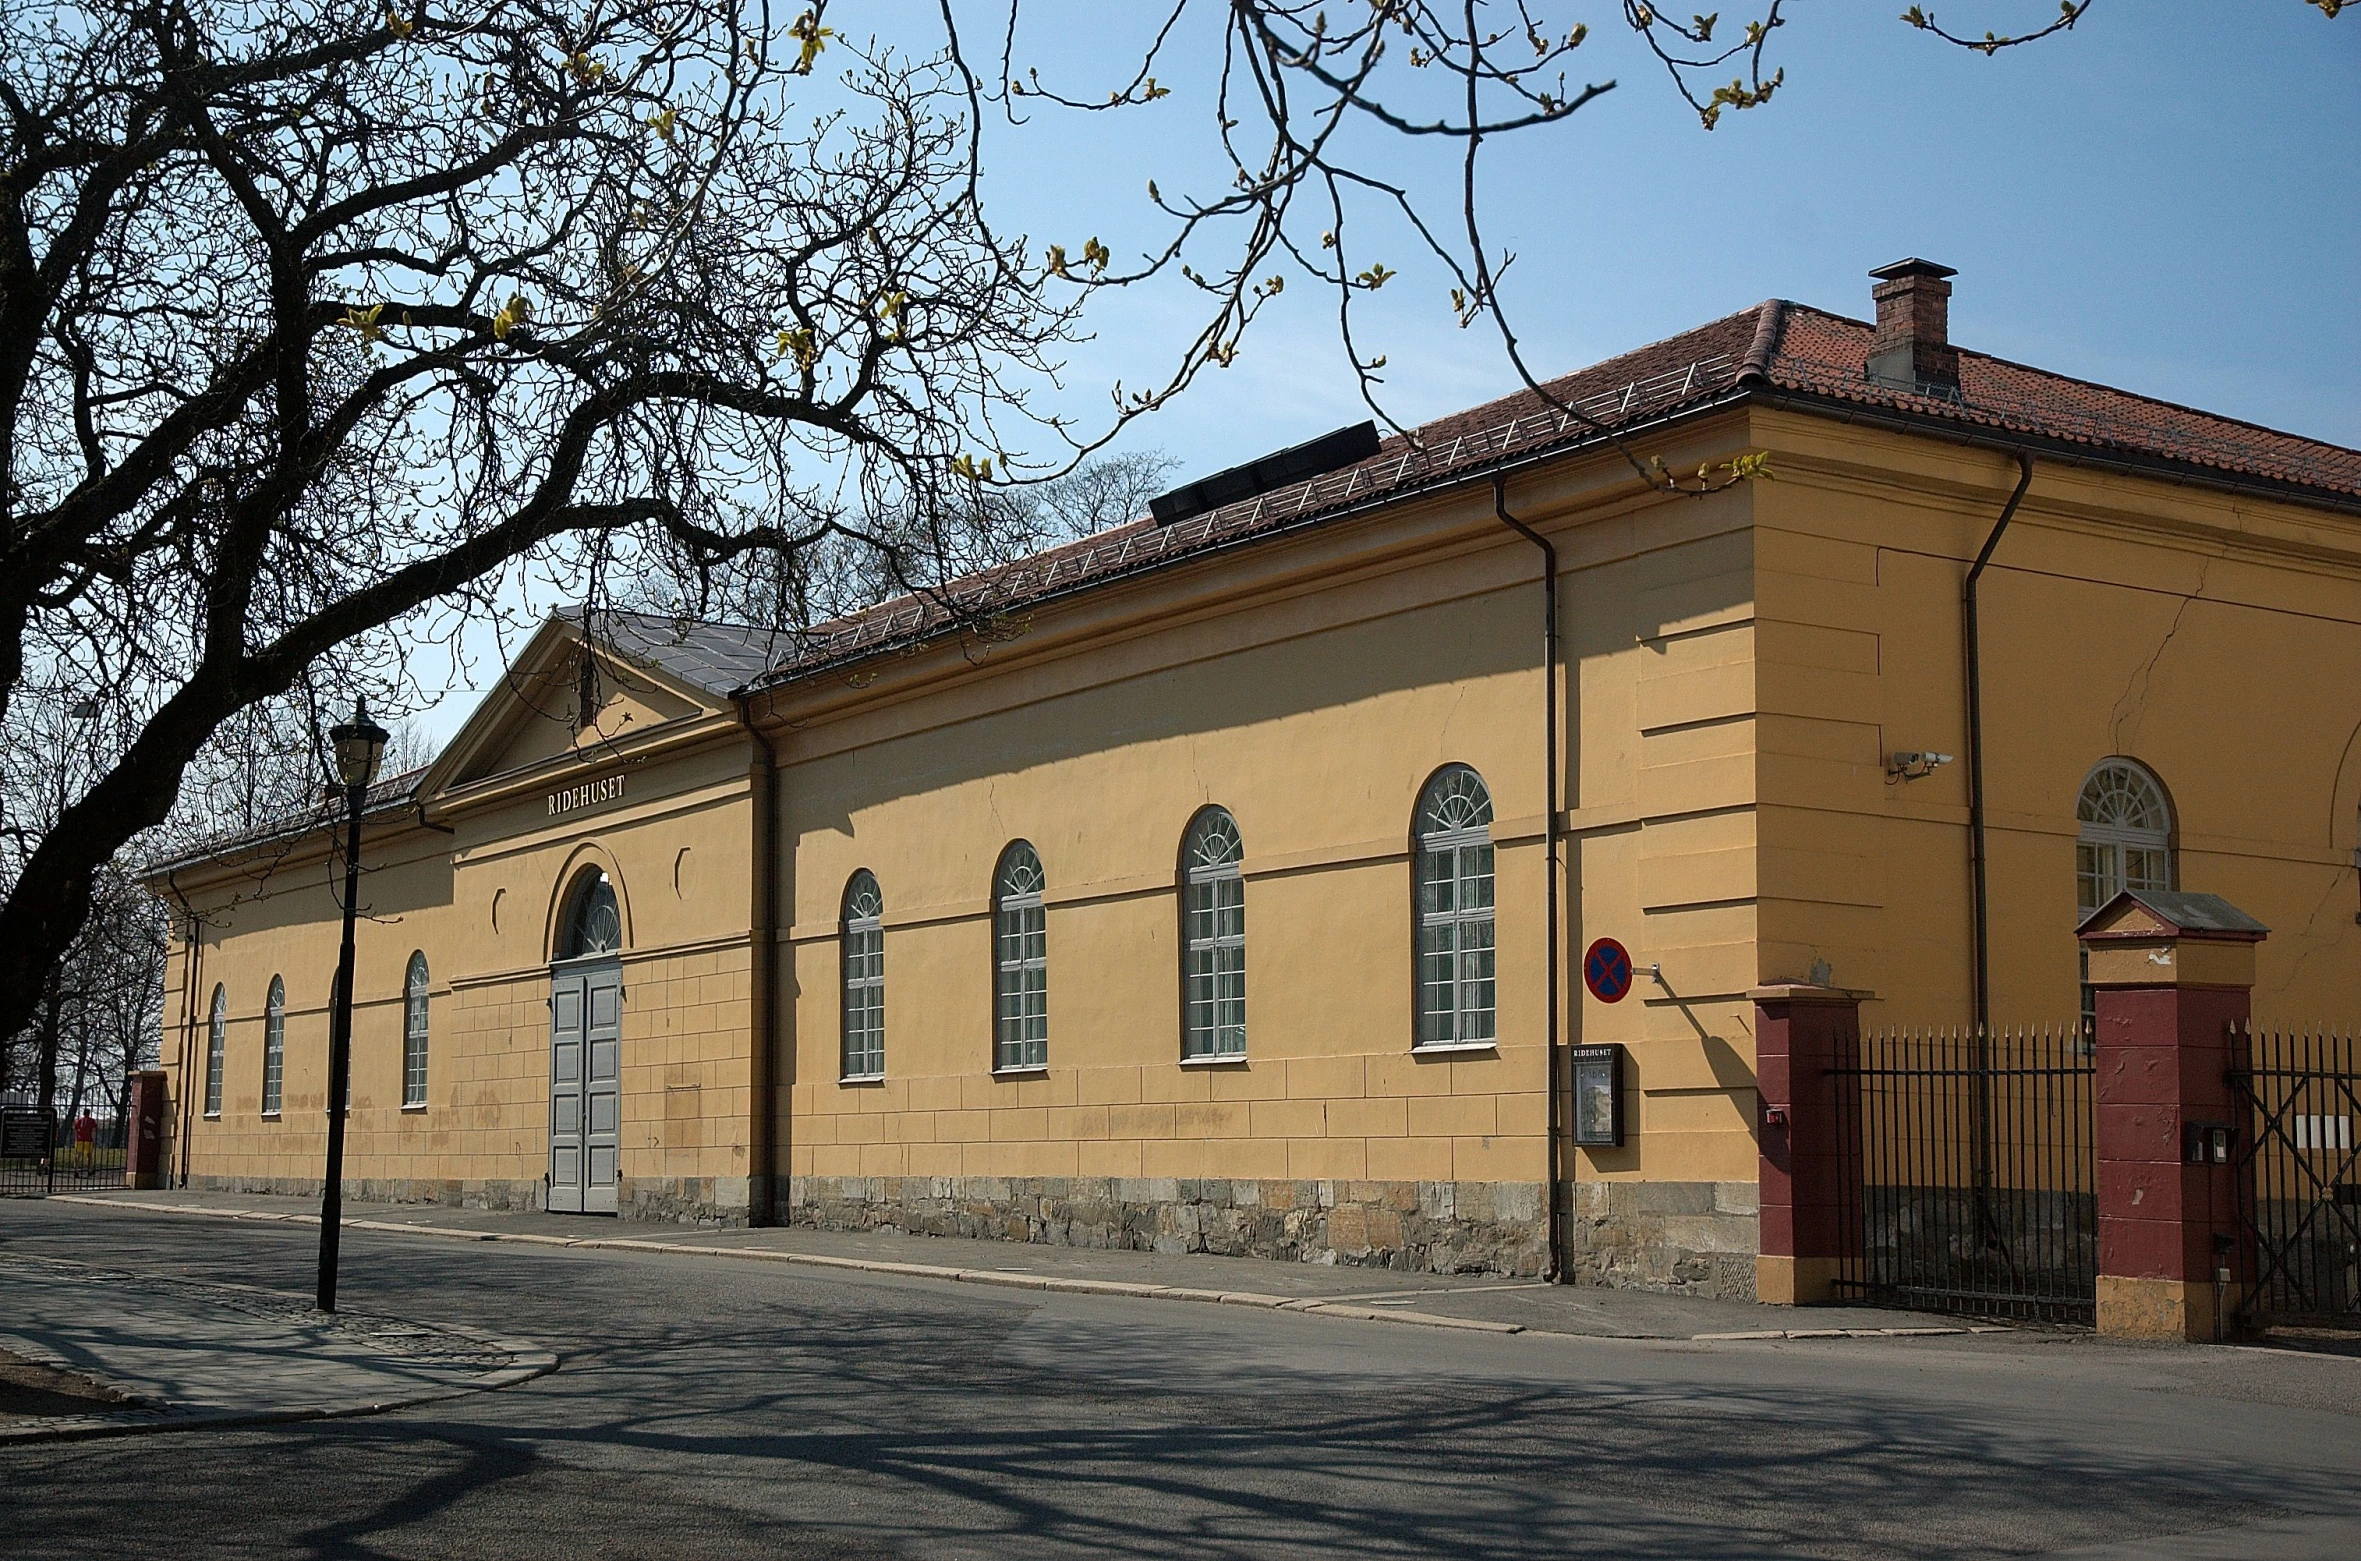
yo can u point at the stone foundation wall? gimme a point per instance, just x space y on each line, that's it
1427 1227
672 1200
1682 1238
685 1200
508 1196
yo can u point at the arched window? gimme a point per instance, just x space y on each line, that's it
274 1047
1454 852
2123 838
1213 938
594 925
414 1031
1020 962
217 1032
864 977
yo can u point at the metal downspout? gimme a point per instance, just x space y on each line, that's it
1975 742
763 1188
191 977
1549 725
1983 1170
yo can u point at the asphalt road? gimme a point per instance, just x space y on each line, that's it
719 1409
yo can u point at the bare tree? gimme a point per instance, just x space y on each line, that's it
311 314
321 319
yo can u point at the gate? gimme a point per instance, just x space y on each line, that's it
1967 1159
40 1155
2298 1178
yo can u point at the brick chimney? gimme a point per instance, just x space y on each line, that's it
1912 347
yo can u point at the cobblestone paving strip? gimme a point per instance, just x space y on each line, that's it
181 1353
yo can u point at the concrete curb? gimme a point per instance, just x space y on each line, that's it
1850 1333
1307 1305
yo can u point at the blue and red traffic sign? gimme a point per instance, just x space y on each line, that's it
1606 970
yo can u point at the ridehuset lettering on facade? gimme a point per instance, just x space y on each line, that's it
587 795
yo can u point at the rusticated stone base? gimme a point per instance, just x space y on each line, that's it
2178 1309
517 1196
1423 1227
685 1200
1683 1238
671 1200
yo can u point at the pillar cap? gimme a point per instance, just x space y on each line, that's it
1804 992
2152 914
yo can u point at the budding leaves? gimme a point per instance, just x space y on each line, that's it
807 31
512 314
1094 254
363 322
799 344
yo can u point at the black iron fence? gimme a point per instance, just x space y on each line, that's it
2300 1178
1969 1159
41 1153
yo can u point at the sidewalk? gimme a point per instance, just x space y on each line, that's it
1461 1301
180 1353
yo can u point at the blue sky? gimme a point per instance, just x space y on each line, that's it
2167 199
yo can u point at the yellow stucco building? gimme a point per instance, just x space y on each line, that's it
1200 894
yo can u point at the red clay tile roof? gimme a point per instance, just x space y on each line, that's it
1678 374
1776 346
1822 354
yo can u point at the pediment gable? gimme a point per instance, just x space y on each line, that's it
564 697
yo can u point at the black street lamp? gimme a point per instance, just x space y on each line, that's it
359 745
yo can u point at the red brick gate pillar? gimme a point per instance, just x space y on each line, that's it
1800 1032
143 1134
2173 972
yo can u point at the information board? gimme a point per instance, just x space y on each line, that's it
24 1133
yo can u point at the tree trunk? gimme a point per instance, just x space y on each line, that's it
45 1037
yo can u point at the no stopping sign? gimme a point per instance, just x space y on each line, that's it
1606 970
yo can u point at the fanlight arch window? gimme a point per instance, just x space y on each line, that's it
1455 933
2123 834
864 977
594 922
217 1030
274 1048
1213 938
414 1031
1020 961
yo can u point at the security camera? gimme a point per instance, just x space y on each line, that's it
1911 764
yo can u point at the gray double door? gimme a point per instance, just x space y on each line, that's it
585 1077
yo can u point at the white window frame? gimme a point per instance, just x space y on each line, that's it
1456 954
417 1032
1213 939
217 1031
861 1059
1020 962
2110 856
274 1048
